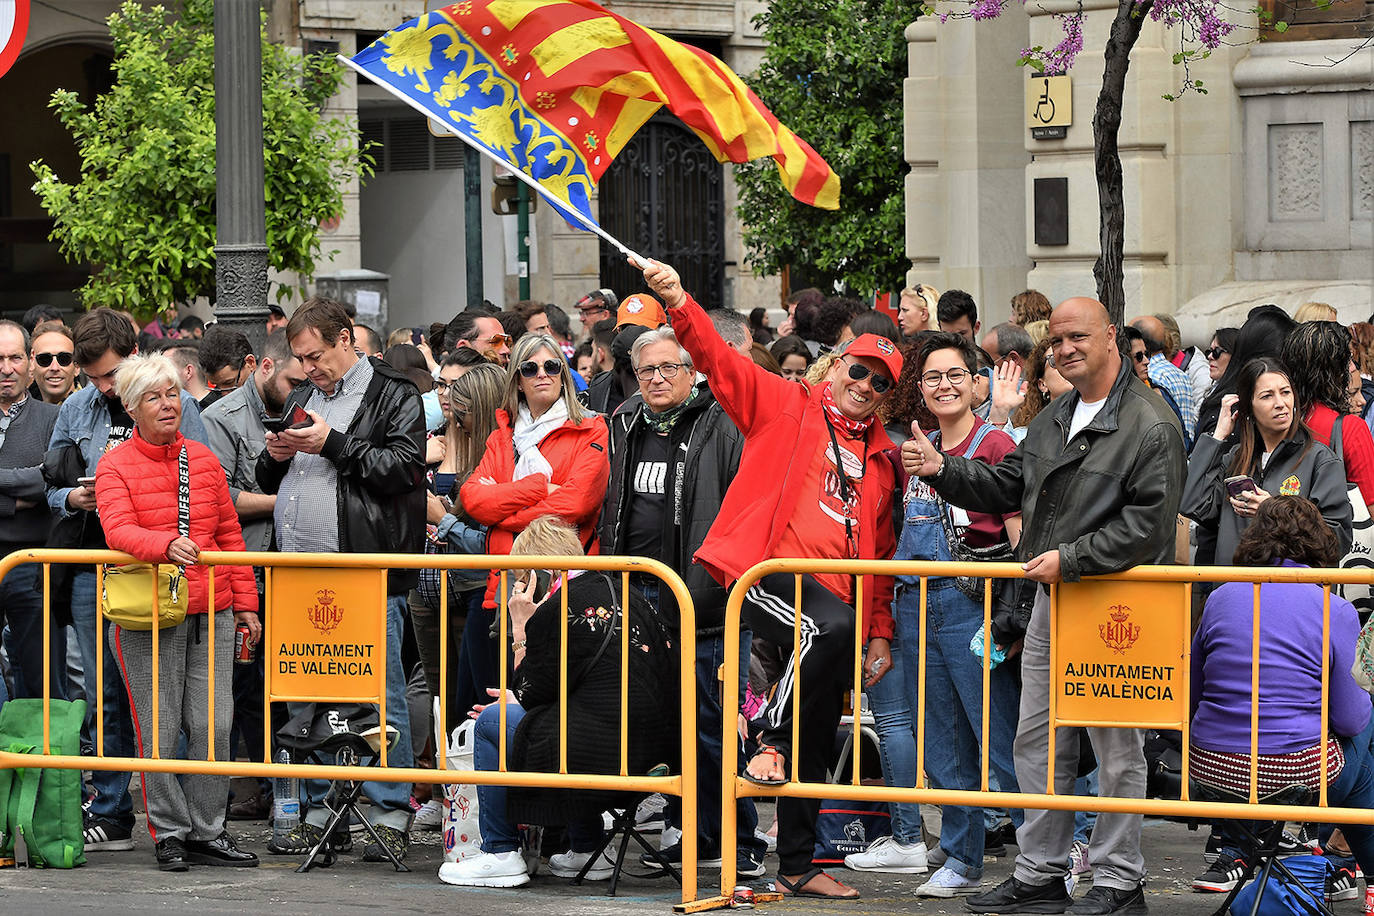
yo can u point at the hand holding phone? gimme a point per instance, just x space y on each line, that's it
296 419
1239 484
87 482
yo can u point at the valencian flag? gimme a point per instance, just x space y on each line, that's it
554 90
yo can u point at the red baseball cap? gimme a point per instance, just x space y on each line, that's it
641 309
881 349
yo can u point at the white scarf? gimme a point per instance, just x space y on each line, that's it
529 432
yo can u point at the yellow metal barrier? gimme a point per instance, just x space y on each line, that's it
683 784
1171 712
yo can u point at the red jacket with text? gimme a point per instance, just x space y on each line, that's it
783 426
578 455
136 493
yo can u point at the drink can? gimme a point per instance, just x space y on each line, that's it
243 649
742 898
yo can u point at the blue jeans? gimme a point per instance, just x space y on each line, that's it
892 700
21 605
498 833
111 800
954 713
1083 820
392 799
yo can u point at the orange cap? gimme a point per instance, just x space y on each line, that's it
641 309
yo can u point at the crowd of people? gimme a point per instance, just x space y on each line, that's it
708 440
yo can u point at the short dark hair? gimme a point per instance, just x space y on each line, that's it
184 353
791 345
527 309
56 327
222 347
23 333
559 321
191 323
373 343
463 356
405 356
872 321
834 314
946 340
955 304
603 333
804 316
1288 528
1129 335
100 330
462 327
512 324
39 314
327 317
277 348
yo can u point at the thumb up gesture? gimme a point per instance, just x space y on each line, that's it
919 457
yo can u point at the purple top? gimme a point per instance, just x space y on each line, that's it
1290 655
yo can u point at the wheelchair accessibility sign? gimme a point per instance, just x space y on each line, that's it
1049 106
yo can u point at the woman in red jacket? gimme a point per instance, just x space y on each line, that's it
546 457
137 491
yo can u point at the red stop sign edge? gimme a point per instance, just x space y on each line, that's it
10 52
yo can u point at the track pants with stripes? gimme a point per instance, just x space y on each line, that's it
826 669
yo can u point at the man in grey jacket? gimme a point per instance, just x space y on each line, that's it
1097 480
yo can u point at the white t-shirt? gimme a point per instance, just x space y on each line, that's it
1083 415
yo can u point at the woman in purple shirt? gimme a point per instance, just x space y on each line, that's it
1287 530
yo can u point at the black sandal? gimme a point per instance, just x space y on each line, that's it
777 757
795 888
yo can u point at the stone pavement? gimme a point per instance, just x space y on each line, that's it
129 882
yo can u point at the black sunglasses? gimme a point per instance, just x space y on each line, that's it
1215 352
1142 357
529 368
881 383
45 359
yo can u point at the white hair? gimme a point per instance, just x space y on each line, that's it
658 335
141 373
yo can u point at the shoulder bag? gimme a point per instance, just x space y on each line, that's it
128 591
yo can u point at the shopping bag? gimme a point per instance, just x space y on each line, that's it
462 838
40 809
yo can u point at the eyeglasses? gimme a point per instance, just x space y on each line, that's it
956 377
529 368
1140 357
858 372
667 370
1215 352
441 386
45 359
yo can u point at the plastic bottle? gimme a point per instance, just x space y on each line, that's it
286 800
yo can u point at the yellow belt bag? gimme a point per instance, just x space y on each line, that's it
128 592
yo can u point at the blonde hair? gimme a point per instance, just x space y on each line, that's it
1038 330
547 536
482 388
525 348
141 373
821 367
1314 311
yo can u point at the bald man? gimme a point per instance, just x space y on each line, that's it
1164 374
1097 480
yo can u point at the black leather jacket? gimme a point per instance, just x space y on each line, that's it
381 464
1107 501
706 447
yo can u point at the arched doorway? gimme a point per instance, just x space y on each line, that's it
32 269
664 197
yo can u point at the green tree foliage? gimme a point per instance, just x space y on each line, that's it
143 212
833 72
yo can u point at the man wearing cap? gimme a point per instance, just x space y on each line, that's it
607 391
595 306
276 318
813 482
641 310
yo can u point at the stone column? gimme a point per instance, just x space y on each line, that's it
241 231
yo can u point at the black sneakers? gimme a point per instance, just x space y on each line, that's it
171 855
101 835
1100 901
1013 896
219 851
1222 875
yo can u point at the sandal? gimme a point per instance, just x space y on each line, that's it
777 761
797 888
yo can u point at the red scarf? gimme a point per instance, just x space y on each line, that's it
854 429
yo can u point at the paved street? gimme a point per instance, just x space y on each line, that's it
129 882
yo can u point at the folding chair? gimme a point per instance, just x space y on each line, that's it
623 826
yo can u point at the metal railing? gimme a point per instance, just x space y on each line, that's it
682 784
1173 714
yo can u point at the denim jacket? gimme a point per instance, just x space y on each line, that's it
84 421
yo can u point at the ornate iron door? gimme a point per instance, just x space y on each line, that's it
664 197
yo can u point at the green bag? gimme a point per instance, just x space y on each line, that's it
40 809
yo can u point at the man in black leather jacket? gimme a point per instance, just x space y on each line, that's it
1098 480
352 481
673 455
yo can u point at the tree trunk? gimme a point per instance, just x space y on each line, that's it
1109 269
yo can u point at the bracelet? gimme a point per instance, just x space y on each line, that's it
941 472
518 645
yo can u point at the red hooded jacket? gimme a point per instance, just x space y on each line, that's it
783 426
581 469
136 492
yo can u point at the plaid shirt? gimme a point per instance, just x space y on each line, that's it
1174 380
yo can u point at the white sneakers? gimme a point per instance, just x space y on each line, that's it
429 816
948 883
489 869
568 864
887 855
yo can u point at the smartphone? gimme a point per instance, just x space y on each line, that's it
87 482
297 419
1240 484
417 336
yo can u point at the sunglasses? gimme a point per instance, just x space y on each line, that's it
497 340
1215 352
1142 358
529 368
881 383
45 359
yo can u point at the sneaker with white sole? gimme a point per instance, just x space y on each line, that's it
770 841
887 855
1344 883
1078 859
568 864
429 816
1223 875
948 883
102 835
489 869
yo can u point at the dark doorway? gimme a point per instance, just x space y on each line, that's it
664 197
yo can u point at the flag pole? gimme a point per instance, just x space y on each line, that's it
589 225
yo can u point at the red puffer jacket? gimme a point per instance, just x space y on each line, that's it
581 469
136 494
